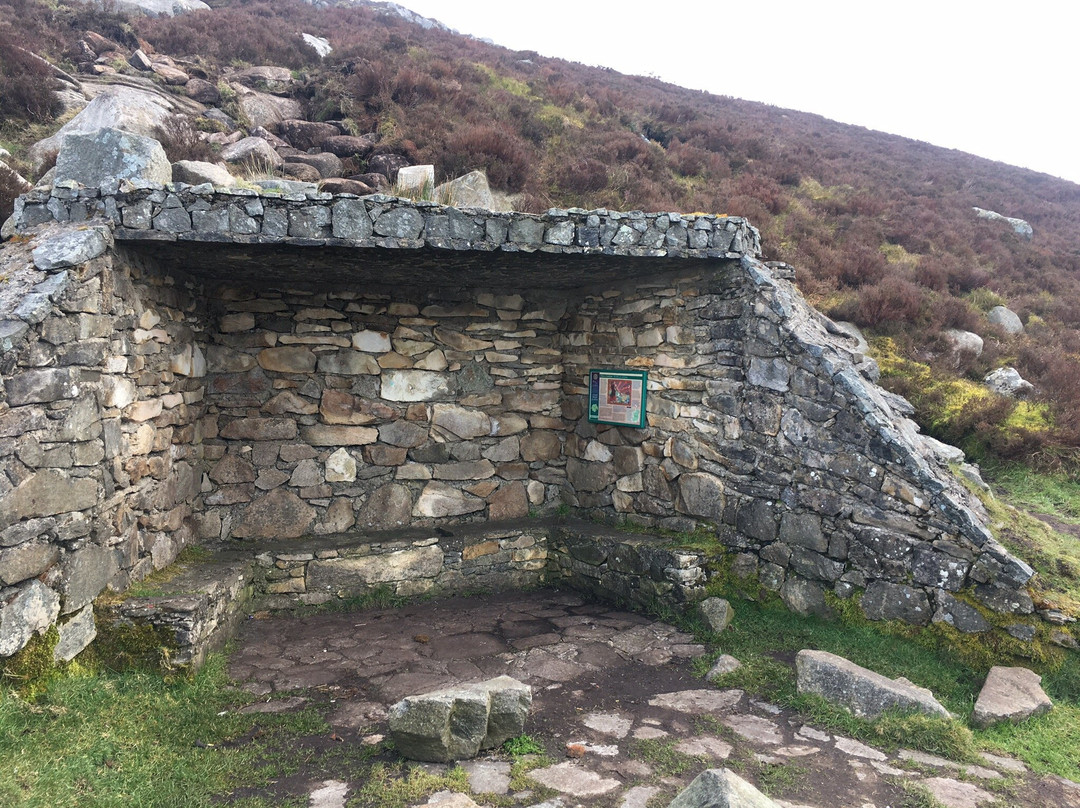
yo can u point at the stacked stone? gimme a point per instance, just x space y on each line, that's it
202 212
98 432
473 558
760 423
336 410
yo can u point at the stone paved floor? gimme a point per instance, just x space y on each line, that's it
615 703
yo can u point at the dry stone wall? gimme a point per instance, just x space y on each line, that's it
100 429
153 396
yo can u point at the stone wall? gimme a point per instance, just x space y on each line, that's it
242 369
100 429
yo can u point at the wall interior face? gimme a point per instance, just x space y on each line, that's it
143 411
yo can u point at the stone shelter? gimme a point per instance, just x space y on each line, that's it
293 375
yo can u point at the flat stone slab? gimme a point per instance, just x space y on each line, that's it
755 728
862 691
331 794
618 726
488 776
1010 694
571 778
696 702
955 794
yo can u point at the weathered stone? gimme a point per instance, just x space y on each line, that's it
886 601
461 421
589 477
27 560
724 665
75 635
349 363
353 576
509 502
340 467
439 499
70 248
372 341
415 385
570 778
46 493
41 386
863 692
717 613
280 514
388 507
260 429
701 495
87 571
1010 694
319 435
958 614
289 359
28 609
400 223
1006 319
194 172
95 158
720 788
804 597
456 723
232 468
540 445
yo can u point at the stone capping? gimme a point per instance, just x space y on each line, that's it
202 213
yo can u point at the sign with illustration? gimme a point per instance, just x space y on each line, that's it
617 397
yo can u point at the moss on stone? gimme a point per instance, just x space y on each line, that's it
29 669
121 645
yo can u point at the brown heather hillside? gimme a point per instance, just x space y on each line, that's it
880 228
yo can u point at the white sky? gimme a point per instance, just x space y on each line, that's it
994 78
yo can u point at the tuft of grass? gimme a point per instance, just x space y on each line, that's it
916 795
776 779
523 745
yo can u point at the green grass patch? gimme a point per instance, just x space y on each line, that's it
137 739
1057 494
523 745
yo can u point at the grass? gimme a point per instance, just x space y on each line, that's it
136 739
663 757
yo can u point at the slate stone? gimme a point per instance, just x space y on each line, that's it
958 614
508 502
26 560
351 220
804 597
463 422
862 691
589 477
400 223
47 493
416 385
354 576
41 386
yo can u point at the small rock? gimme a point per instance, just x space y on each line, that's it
720 788
1010 694
724 664
717 613
1007 381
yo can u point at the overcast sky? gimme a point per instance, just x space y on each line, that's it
997 79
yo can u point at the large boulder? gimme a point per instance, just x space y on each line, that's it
720 788
129 109
862 691
95 158
321 45
1019 226
457 722
327 164
1010 694
159 8
386 164
349 145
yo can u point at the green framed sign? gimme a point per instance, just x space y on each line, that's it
618 397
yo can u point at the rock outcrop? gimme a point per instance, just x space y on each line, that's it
721 788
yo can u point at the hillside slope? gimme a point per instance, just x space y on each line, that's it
881 229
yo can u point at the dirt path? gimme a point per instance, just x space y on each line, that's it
616 685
